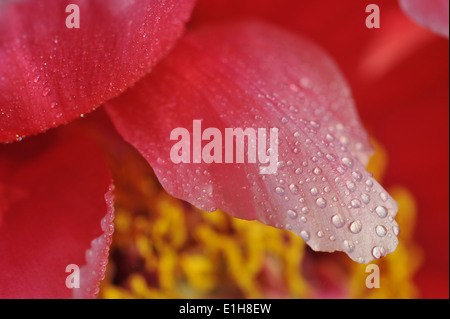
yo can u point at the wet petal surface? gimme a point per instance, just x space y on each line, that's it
251 75
51 74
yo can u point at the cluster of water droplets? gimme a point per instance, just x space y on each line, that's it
326 191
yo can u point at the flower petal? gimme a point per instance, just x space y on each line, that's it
251 75
431 14
50 74
52 202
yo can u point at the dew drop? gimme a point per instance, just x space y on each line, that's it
298 171
46 91
347 162
317 171
340 169
293 189
320 234
381 230
357 176
305 235
349 246
355 203
365 198
337 221
396 230
351 186
378 252
54 105
356 227
314 191
292 214
321 202
315 124
381 211
279 191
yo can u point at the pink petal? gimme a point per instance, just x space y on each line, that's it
433 14
52 205
50 74
254 75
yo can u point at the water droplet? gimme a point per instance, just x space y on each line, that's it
279 191
298 171
381 211
320 234
355 203
347 162
383 197
351 186
357 176
293 189
314 191
54 105
337 221
46 91
365 198
330 157
315 124
340 169
292 214
321 202
305 235
369 183
356 226
381 230
396 230
303 219
378 252
349 246
305 210
280 165
317 171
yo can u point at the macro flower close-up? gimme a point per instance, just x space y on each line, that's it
224 149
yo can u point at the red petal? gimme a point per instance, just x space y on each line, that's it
433 14
52 202
253 75
50 74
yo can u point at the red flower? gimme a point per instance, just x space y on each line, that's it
232 74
